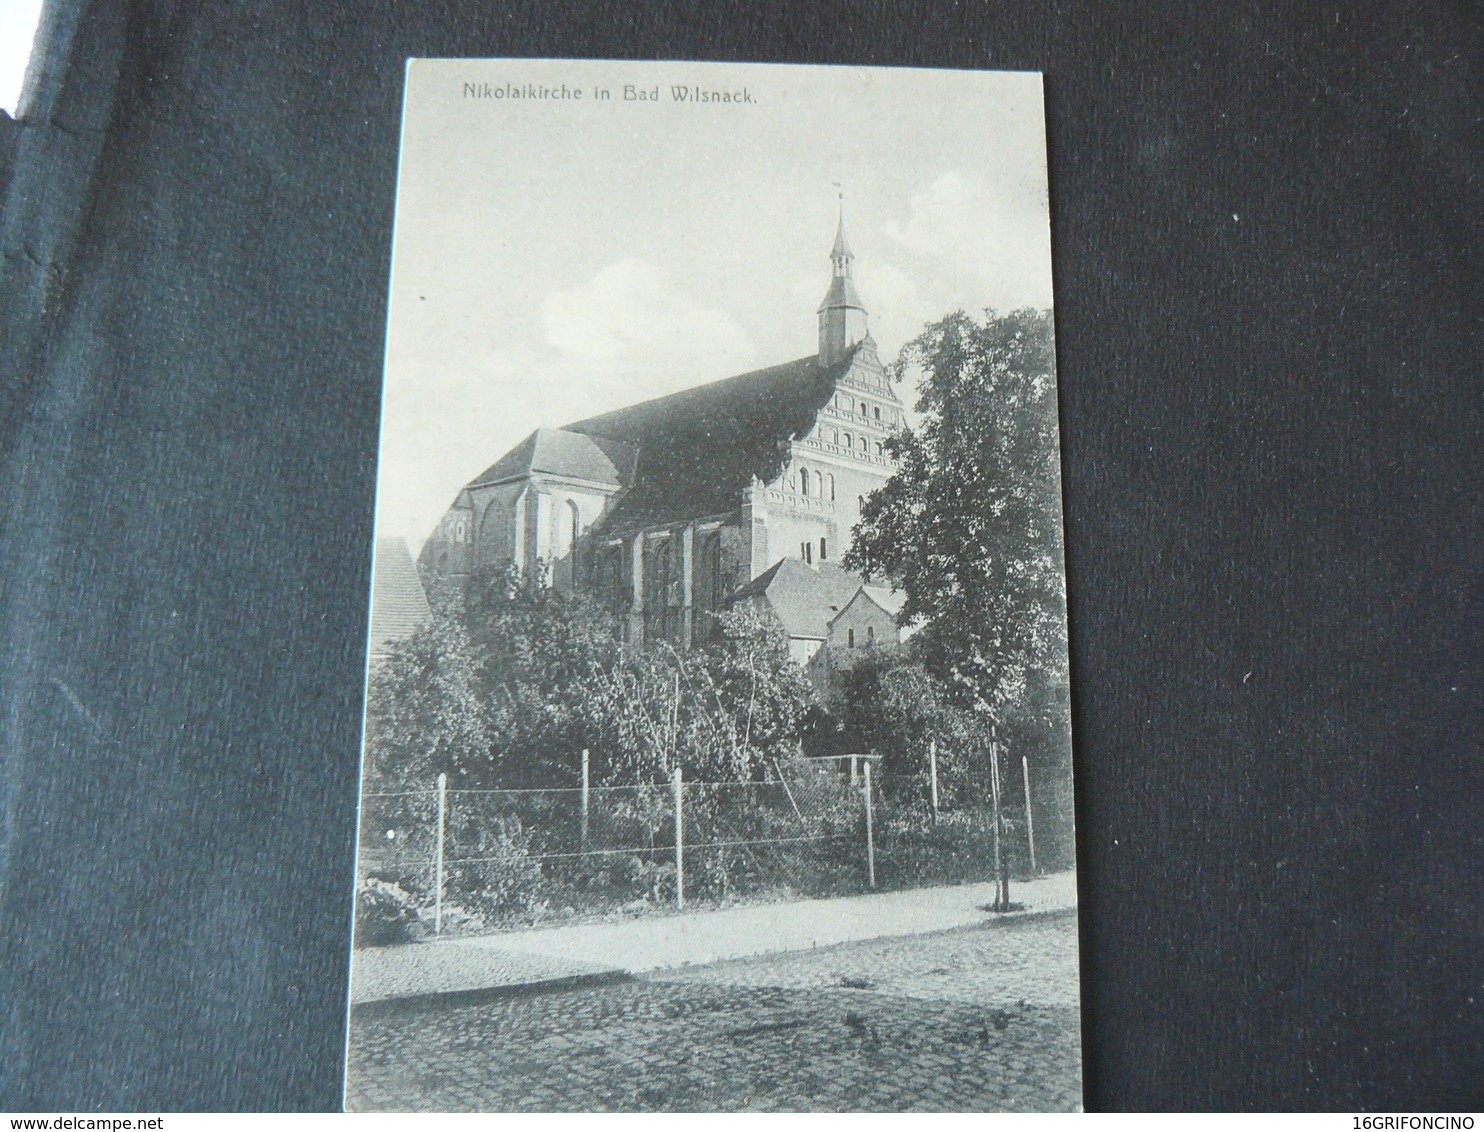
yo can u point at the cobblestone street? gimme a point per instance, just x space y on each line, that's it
973 1019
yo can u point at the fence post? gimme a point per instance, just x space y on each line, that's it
438 872
870 832
1002 894
798 813
679 838
585 783
933 774
1030 822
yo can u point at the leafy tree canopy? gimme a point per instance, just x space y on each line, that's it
895 707
424 714
969 528
509 680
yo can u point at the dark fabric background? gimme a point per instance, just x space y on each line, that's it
1267 239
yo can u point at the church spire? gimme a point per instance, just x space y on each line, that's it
842 316
840 253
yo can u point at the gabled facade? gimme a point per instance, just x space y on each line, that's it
867 620
668 508
805 600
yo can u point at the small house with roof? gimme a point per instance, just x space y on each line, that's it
867 619
806 600
828 614
398 604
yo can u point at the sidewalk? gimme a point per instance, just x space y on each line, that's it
578 954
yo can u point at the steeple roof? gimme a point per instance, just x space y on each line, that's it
842 315
842 293
841 250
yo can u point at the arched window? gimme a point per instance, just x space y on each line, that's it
870 635
862 443
860 502
849 440
878 414
864 410
879 450
804 480
793 481
834 436
832 487
819 485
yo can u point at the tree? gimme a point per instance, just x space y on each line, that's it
761 693
893 706
530 676
424 715
539 657
969 527
722 712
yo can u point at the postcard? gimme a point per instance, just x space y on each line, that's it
717 747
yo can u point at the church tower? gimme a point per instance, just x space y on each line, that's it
842 317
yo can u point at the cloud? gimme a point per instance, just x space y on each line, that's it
897 310
994 243
630 314
942 215
457 400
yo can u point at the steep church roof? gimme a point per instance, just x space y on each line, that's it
558 452
398 603
699 449
805 598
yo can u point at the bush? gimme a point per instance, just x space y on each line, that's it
892 705
798 837
913 849
495 873
386 914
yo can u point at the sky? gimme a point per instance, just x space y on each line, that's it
558 258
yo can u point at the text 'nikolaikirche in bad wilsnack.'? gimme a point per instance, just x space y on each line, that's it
627 92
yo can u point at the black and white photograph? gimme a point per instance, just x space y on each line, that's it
831 558
717 747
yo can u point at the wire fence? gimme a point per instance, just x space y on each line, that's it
479 859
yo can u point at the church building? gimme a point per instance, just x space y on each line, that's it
674 509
